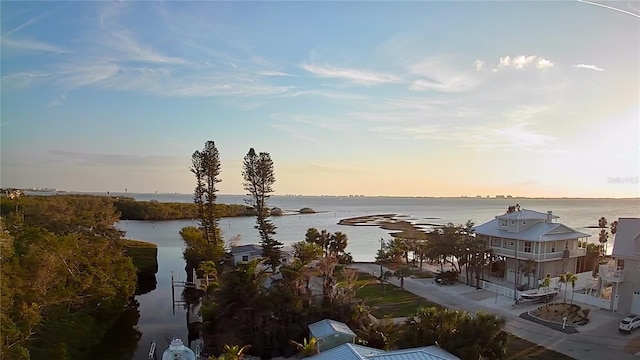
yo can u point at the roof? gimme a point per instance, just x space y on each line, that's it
327 327
540 232
350 351
346 351
424 353
246 248
627 239
526 215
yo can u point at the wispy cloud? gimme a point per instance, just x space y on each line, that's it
586 66
296 133
437 76
130 49
21 80
273 73
120 160
33 45
355 76
59 100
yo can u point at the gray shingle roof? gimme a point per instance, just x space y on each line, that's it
246 248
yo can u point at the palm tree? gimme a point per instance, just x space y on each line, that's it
563 281
234 352
604 235
209 269
401 273
546 282
570 278
307 348
338 243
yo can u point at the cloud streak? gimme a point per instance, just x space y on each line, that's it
355 76
586 66
33 45
120 160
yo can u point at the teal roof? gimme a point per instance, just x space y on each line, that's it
357 352
328 327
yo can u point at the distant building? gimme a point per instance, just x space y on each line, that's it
246 253
531 235
624 270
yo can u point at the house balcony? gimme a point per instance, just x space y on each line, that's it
523 255
609 272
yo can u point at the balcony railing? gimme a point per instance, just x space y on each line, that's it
535 256
611 273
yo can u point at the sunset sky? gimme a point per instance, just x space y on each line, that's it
374 98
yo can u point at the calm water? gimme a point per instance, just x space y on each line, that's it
156 318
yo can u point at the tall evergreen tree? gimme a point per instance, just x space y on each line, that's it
259 177
205 165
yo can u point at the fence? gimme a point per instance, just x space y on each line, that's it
590 300
495 288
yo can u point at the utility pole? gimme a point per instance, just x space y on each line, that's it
381 251
517 272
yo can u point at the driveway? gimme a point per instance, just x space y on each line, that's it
597 340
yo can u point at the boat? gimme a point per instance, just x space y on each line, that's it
536 297
178 351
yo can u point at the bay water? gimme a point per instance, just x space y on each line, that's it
159 320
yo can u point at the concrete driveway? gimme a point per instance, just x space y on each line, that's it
597 340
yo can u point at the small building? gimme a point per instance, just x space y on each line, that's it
524 235
246 253
331 333
357 352
623 271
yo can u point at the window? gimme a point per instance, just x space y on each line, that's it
496 242
553 246
503 222
527 246
524 222
513 222
566 244
620 264
245 257
511 243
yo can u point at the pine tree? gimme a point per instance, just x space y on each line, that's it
259 177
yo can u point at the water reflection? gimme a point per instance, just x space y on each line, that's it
121 341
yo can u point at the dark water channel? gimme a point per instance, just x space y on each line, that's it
152 316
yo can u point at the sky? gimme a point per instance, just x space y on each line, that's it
428 98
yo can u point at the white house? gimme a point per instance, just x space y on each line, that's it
624 270
246 253
531 235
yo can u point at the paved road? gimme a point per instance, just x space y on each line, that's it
597 340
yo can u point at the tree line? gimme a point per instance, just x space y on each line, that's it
65 278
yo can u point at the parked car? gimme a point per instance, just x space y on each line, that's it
629 323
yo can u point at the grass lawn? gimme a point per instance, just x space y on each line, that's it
390 301
395 302
522 349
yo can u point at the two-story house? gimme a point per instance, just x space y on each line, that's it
623 271
531 235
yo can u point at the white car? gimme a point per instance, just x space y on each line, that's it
629 323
